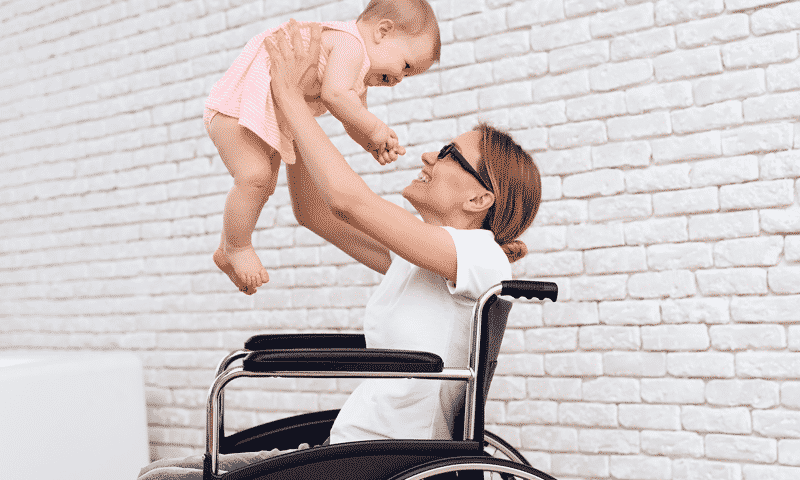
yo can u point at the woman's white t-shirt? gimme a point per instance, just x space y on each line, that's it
415 309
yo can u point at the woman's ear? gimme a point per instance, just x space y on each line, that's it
481 202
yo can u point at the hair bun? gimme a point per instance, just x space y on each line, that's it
515 250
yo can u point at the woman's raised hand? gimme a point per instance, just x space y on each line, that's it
291 65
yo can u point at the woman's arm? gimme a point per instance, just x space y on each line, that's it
343 191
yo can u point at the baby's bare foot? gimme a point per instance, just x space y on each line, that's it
222 262
247 266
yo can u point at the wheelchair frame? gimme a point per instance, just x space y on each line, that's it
470 374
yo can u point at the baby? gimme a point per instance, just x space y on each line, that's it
390 40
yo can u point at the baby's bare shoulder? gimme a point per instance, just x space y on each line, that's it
336 38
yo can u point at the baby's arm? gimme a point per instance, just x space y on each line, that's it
341 72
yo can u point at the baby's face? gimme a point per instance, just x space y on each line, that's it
398 56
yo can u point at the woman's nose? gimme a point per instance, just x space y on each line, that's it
429 158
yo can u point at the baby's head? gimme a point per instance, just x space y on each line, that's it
402 39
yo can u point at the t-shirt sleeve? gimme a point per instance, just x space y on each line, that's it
481 263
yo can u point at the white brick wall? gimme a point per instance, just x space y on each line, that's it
667 133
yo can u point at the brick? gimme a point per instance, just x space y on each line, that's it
501 45
681 444
513 341
551 339
616 260
681 255
671 283
593 236
686 201
453 80
670 177
574 8
620 207
780 165
698 145
504 95
577 134
573 313
687 63
599 288
760 251
652 417
537 115
575 464
519 67
705 118
560 34
685 469
597 182
607 441
792 250
757 138
760 51
640 467
771 107
755 472
596 106
565 161
635 364
696 310
727 86
455 104
647 43
702 364
721 29
739 448
629 312
639 126
617 75
751 393
719 420
784 279
673 390
587 414
553 264
634 154
780 18
656 231
534 12
777 423
545 239
732 281
555 87
508 388
724 225
551 188
622 20
657 96
480 24
527 411
767 365
724 171
578 56
675 337
608 338
674 11
573 364
788 453
783 77
520 364
554 439
561 212
611 390
554 388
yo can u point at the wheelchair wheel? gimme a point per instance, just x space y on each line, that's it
496 447
473 468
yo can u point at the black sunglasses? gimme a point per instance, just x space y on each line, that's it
450 149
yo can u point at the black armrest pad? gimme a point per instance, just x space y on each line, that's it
342 360
284 341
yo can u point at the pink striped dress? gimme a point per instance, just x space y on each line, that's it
244 91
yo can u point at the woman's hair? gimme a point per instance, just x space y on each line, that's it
517 189
412 17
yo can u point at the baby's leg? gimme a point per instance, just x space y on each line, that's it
254 166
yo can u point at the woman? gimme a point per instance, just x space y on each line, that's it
475 196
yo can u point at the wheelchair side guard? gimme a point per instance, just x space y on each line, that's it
286 341
284 434
471 468
368 460
343 360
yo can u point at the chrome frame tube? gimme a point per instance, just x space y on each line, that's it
221 367
213 434
475 334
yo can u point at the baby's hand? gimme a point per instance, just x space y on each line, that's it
391 150
384 145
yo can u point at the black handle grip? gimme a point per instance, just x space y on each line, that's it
530 289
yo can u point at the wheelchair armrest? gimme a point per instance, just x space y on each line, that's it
284 341
342 360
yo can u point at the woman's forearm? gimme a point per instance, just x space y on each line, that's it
338 185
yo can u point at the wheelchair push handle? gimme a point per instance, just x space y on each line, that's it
530 289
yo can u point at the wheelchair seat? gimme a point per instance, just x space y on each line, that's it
346 355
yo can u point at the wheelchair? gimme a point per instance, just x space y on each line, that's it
473 454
